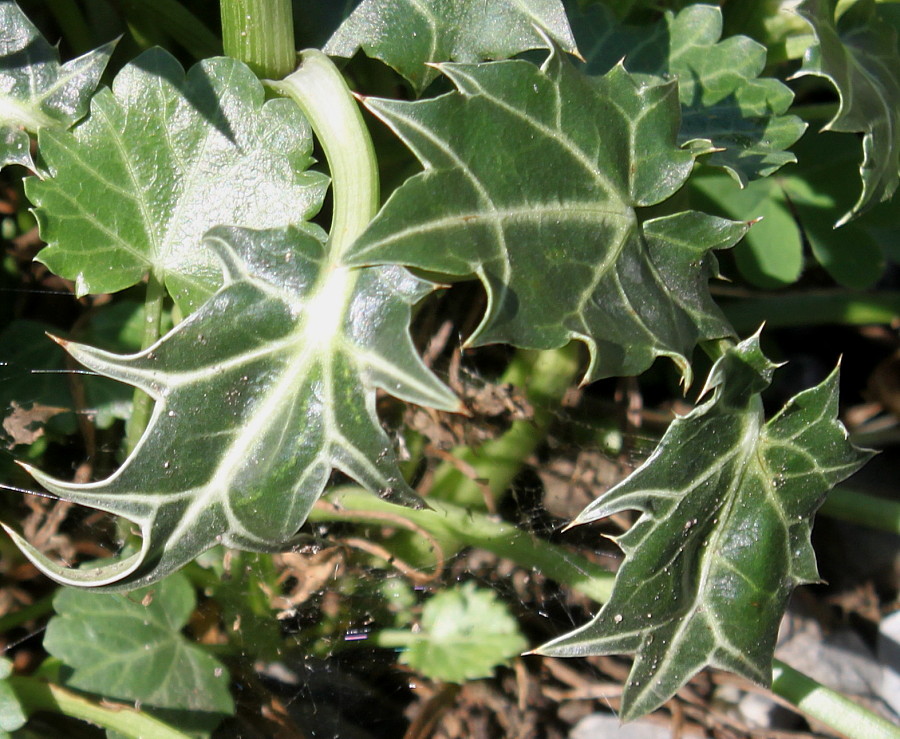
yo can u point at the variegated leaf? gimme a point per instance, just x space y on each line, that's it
35 90
260 395
726 504
533 177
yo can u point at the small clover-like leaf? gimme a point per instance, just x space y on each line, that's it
408 35
465 633
12 713
130 647
859 55
729 112
37 92
162 158
260 394
726 504
532 179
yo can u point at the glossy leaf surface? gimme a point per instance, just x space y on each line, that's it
728 109
532 177
260 394
859 56
130 647
162 158
36 91
727 501
410 34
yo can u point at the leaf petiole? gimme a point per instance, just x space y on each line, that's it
260 33
143 404
322 94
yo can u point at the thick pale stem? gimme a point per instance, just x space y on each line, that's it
260 33
322 94
142 405
36 695
829 707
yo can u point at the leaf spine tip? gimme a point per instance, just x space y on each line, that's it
571 525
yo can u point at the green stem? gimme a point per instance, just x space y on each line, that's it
545 376
260 33
458 527
322 94
716 348
183 26
869 510
810 309
829 707
72 25
36 610
142 407
36 695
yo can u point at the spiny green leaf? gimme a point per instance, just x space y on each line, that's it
410 34
465 634
859 55
727 502
37 92
131 648
728 111
531 181
260 394
163 157
771 255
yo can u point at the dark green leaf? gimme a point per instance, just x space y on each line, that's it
859 55
130 647
727 502
409 34
260 394
163 157
727 109
531 181
36 92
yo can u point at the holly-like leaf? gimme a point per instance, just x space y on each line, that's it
859 56
162 158
37 92
531 181
771 255
130 647
408 35
727 502
728 110
465 633
260 394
